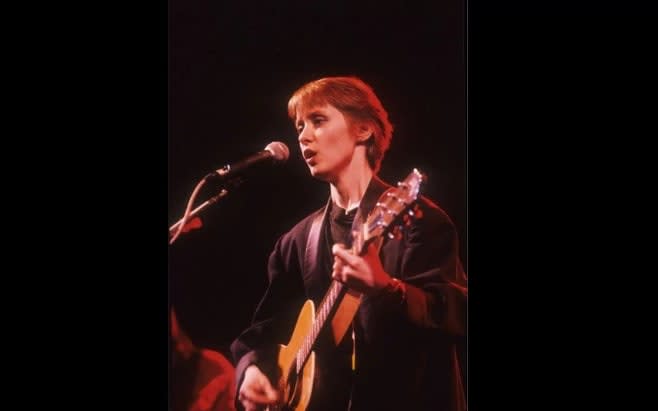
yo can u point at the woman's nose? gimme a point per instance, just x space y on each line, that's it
305 136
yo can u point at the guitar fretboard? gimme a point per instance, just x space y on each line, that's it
321 317
326 306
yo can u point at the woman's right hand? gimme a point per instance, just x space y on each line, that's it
256 393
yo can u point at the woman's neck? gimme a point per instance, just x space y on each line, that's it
348 190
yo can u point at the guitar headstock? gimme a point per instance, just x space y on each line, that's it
394 205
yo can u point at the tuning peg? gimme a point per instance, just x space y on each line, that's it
417 212
395 233
407 219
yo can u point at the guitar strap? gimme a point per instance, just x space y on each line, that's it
349 304
313 242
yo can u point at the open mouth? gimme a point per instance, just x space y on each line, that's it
308 154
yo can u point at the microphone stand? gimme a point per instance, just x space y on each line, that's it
197 210
175 230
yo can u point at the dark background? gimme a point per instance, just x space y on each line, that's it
559 160
232 69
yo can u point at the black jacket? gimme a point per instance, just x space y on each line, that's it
399 365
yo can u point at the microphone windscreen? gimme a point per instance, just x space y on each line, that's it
279 150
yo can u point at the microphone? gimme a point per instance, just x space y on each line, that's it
275 152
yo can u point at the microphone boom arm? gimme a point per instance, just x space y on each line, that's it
197 210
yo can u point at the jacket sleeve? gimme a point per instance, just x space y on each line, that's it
274 317
430 266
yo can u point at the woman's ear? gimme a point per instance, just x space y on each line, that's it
364 132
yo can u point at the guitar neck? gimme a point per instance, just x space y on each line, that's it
327 306
322 314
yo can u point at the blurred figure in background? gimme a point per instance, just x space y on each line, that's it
200 379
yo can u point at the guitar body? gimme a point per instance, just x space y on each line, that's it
296 389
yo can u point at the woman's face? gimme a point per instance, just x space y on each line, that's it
327 140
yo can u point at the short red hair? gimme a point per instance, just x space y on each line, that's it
355 99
